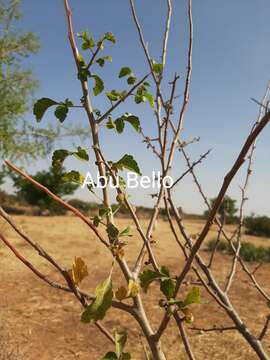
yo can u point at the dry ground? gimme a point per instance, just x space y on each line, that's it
44 323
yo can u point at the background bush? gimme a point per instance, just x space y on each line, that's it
248 251
257 225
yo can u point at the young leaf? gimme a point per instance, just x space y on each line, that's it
131 80
99 85
112 231
113 95
110 356
61 112
126 356
110 37
83 72
101 61
149 98
103 301
189 318
157 68
104 211
110 123
133 288
121 293
73 176
41 106
127 162
120 125
78 271
120 341
125 71
134 122
167 287
193 296
164 271
81 154
147 277
58 158
125 232
96 221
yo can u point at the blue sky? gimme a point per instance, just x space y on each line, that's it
230 66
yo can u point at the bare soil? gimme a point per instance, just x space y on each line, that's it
43 323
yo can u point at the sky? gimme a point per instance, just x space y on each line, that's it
231 65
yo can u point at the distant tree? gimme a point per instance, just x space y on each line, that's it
227 210
36 197
17 138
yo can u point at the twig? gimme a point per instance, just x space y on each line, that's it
203 156
265 328
184 337
57 199
114 106
215 328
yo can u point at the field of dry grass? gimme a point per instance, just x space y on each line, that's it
43 323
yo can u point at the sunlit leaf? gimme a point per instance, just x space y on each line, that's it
127 162
81 154
99 85
78 271
134 122
125 71
103 301
120 341
110 37
73 176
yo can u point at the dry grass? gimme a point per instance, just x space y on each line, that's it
45 322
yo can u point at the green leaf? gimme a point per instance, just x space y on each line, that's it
110 37
61 112
127 162
83 72
147 277
193 296
112 231
89 44
149 98
120 341
138 99
81 154
103 301
99 85
41 106
101 61
126 356
131 80
110 123
96 221
164 271
125 71
125 232
167 287
59 157
110 356
113 95
120 125
73 176
134 122
104 212
157 68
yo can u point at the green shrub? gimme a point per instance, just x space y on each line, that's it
248 251
257 226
